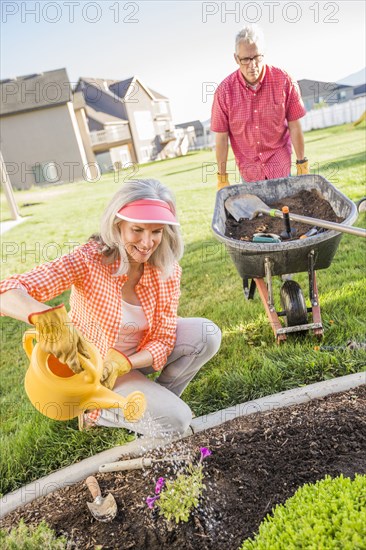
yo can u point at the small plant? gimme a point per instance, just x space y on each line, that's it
24 537
181 495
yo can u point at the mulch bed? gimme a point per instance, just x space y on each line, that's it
257 462
307 203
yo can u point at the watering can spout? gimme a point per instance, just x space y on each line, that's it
133 405
60 394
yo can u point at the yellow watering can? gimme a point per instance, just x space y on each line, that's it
57 392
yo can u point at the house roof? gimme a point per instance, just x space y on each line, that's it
312 88
103 118
195 123
120 88
157 95
361 89
34 91
99 83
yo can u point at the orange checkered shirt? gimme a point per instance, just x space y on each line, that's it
96 298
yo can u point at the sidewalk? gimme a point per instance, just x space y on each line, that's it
9 224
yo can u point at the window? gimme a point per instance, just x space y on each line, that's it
162 108
145 154
144 125
46 172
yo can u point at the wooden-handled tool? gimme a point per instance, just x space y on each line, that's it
138 463
125 465
102 509
249 206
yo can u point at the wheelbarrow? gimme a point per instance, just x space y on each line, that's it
255 261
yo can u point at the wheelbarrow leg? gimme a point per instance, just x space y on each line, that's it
248 290
314 297
266 294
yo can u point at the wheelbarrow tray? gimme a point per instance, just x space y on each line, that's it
288 256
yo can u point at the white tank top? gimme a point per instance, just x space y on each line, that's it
132 330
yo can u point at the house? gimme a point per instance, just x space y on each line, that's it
198 133
359 91
44 132
195 126
128 122
316 93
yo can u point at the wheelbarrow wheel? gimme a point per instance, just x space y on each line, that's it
293 304
361 205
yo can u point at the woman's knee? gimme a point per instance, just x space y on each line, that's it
181 419
200 334
176 421
213 336
210 337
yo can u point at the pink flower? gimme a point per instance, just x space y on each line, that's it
159 485
205 452
150 501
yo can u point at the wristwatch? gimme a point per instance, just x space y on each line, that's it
302 161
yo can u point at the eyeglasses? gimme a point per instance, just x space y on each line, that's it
247 60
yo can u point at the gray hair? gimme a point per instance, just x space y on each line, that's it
171 247
251 34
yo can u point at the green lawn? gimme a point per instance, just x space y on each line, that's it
249 363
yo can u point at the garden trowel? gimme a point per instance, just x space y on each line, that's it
102 509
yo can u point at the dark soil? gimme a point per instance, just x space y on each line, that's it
306 203
257 462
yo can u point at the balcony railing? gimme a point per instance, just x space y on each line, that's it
110 135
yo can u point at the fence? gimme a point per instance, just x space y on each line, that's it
340 113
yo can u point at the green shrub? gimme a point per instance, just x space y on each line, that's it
33 537
330 514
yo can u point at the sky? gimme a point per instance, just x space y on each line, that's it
182 49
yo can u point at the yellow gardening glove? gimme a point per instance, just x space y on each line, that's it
56 335
302 167
222 181
115 364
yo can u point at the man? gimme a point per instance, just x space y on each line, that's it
258 107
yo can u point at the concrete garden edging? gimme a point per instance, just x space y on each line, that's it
79 471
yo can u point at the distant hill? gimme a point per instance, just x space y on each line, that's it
354 79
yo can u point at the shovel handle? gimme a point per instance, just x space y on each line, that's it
340 227
93 487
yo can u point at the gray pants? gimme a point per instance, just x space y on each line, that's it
197 341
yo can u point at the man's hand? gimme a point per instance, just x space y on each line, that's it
115 364
222 181
56 335
302 167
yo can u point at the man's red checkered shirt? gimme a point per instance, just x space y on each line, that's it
96 298
256 121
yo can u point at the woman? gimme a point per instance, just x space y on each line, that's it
125 291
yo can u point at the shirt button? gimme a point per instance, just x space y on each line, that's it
255 110
260 153
257 127
258 142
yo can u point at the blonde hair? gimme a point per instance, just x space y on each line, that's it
171 247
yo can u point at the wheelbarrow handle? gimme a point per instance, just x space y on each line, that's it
340 227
